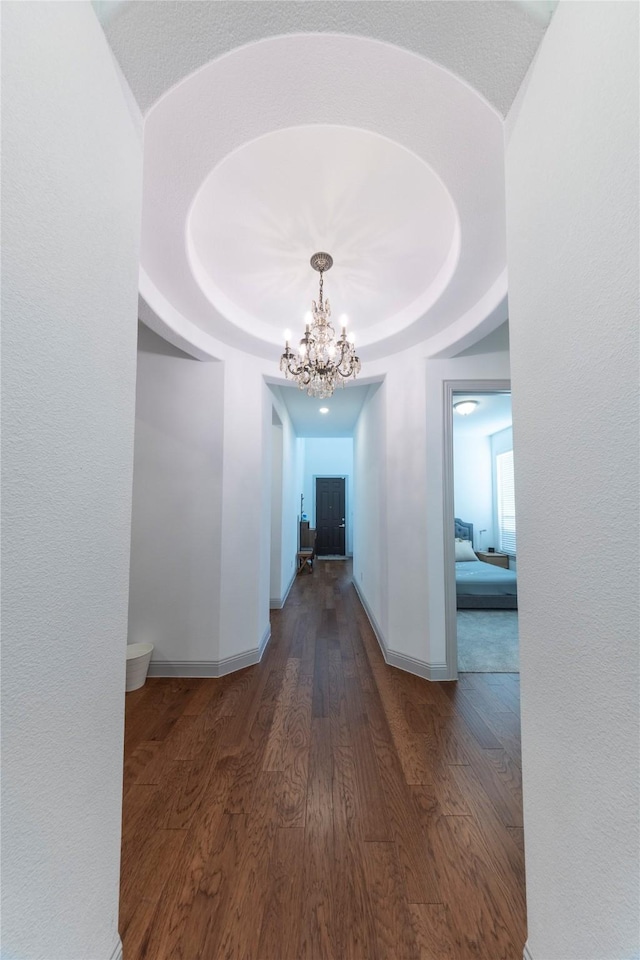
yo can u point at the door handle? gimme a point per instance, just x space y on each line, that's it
340 526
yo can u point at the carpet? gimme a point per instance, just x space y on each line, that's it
488 641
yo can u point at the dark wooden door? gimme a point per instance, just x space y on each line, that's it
330 516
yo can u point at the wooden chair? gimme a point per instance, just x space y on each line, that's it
307 547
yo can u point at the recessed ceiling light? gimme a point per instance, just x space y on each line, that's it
324 409
465 407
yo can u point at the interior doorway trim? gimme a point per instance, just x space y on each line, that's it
450 387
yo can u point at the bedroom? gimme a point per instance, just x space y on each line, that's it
485 532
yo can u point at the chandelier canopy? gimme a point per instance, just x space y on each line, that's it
322 362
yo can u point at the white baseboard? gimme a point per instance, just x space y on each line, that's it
266 636
527 955
279 604
210 668
428 671
372 620
116 953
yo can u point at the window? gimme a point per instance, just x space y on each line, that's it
506 503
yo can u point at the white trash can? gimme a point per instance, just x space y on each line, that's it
138 658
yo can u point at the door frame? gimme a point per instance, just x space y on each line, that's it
334 476
451 387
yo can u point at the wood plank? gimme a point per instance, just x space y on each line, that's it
373 812
517 835
480 904
276 742
432 929
201 696
486 922
507 855
509 693
243 763
448 743
148 874
475 723
488 767
321 666
404 827
353 921
137 761
190 897
409 726
280 928
316 939
231 936
291 798
194 781
395 936
506 727
175 697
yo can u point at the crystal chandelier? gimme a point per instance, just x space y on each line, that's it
322 362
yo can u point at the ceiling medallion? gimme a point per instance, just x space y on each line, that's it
322 362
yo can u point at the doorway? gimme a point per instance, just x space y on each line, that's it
480 535
330 516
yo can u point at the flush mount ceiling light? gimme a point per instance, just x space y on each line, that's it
324 409
322 362
465 407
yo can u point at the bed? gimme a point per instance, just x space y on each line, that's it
482 586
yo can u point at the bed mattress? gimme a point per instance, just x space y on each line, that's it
477 579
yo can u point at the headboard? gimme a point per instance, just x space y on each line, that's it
464 531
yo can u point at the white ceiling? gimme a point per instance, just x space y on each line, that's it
344 409
385 217
370 130
493 413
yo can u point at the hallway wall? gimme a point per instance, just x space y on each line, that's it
473 489
174 599
292 455
71 179
275 558
370 514
572 212
246 512
200 572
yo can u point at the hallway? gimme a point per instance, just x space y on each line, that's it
322 804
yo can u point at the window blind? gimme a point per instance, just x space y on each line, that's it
506 503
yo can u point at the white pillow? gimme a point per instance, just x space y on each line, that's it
464 550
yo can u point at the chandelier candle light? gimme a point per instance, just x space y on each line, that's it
322 362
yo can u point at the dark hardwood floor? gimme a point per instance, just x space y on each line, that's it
323 804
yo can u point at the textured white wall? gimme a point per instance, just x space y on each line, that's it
473 487
292 453
500 442
406 420
174 599
326 457
71 200
370 513
572 209
275 562
263 532
246 507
